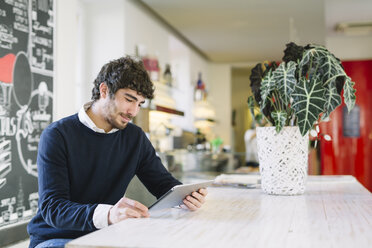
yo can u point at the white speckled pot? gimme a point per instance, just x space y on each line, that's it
283 160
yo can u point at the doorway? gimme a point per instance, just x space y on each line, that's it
241 118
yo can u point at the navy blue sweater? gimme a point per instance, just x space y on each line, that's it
79 168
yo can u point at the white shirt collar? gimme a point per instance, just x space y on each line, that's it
84 118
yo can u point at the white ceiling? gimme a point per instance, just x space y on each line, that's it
233 31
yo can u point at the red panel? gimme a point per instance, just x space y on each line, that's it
351 155
6 68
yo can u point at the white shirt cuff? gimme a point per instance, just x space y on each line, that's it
100 215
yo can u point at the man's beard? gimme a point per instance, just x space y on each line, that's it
112 116
112 119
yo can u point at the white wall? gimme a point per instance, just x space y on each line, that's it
89 33
180 64
143 29
348 47
103 40
220 98
65 58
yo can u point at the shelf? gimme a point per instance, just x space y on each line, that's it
204 123
168 110
163 100
203 111
205 119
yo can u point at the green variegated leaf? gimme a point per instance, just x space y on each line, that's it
323 63
349 93
310 57
304 86
331 72
251 104
267 86
330 69
284 77
308 102
332 98
280 118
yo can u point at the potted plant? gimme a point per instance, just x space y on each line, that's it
294 96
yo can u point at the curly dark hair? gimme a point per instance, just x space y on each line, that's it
125 72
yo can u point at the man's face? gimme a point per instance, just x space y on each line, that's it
122 107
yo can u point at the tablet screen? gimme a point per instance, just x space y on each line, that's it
174 197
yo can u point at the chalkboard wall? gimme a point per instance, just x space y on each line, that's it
26 106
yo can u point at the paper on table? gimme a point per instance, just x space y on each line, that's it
238 180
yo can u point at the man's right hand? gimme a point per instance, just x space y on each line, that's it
126 208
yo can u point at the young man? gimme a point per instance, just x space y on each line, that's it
86 161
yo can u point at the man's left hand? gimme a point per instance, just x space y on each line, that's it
195 200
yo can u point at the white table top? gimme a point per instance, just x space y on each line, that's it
335 211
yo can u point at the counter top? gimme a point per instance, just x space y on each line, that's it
335 211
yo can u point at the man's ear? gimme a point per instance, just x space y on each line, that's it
103 90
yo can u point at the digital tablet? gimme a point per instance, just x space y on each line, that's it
175 196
